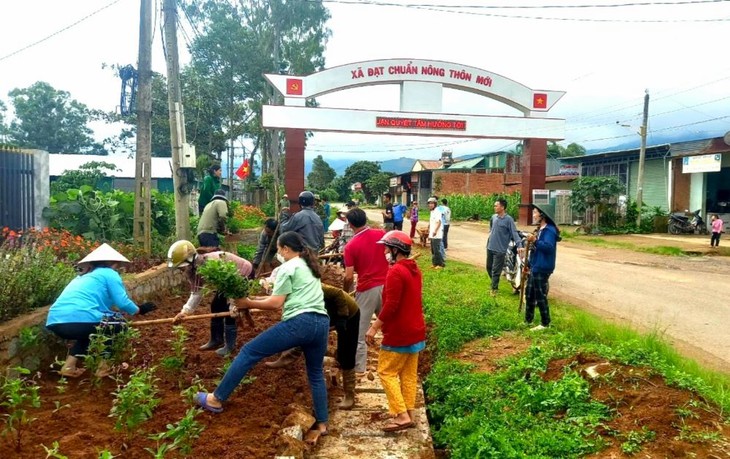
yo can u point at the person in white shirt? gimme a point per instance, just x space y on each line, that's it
436 234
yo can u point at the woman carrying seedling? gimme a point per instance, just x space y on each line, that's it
304 323
86 303
404 330
183 255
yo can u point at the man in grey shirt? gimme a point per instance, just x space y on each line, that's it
502 230
305 222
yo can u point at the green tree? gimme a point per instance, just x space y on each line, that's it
48 119
3 127
361 171
322 174
89 174
378 184
555 150
342 187
599 192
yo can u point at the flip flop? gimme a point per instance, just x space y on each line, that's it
71 373
201 398
313 434
395 427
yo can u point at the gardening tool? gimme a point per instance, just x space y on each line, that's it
272 243
246 313
524 276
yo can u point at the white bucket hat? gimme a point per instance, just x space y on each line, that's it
104 253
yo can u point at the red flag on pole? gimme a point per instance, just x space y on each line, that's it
243 171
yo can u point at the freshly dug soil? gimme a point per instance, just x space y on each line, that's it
246 429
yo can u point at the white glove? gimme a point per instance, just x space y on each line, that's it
232 308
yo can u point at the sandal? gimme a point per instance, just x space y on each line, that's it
313 434
395 427
202 399
71 372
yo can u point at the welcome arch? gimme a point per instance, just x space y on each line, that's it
421 100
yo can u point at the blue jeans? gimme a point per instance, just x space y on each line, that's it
308 331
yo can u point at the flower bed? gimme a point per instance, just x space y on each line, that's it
76 414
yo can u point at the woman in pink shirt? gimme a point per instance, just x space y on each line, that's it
716 230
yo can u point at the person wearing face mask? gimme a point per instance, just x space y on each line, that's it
223 330
404 330
304 323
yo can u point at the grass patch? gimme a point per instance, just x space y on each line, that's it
601 242
513 412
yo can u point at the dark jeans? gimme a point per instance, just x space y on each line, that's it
437 258
495 263
209 240
398 225
308 331
446 236
220 304
536 295
715 239
81 331
347 333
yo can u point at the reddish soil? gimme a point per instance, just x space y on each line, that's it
246 429
685 425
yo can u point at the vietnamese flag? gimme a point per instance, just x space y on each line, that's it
243 171
294 86
539 100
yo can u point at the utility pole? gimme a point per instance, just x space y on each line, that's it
143 162
177 122
642 155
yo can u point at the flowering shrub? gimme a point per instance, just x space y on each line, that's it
242 217
30 277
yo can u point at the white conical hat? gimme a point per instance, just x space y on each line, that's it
336 225
104 253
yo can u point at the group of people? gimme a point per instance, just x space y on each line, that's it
388 284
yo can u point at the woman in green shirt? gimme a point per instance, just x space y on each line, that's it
211 183
304 323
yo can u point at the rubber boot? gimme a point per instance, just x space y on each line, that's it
286 358
231 333
348 383
216 335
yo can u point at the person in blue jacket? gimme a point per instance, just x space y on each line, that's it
544 244
87 302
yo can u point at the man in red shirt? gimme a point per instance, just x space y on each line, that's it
364 256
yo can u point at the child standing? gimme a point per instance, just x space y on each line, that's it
414 217
716 230
404 331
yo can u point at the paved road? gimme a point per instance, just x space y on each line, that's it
686 299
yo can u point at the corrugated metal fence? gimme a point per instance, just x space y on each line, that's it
17 190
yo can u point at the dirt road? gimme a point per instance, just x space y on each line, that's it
682 298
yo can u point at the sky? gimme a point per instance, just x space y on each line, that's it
605 58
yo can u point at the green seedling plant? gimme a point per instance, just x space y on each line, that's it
106 454
222 276
178 436
135 401
122 345
176 361
96 354
58 406
18 394
196 385
53 451
635 438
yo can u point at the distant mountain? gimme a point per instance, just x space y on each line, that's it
396 166
658 139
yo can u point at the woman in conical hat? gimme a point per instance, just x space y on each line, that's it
86 301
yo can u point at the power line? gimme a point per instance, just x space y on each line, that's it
59 31
461 9
521 7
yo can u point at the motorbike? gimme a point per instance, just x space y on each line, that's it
513 263
679 223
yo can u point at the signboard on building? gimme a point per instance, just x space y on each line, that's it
541 197
703 163
393 181
569 169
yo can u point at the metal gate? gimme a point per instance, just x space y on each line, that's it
17 190
563 211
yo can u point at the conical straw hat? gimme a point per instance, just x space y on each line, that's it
104 253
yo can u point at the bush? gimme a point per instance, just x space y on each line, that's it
242 217
30 277
464 206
